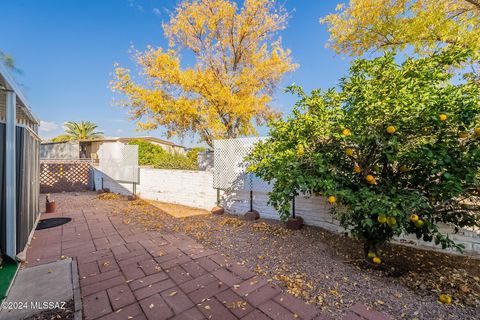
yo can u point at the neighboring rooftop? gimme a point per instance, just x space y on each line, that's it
125 139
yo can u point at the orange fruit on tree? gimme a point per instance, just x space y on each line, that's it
357 169
346 132
477 131
419 223
403 168
442 117
377 260
349 152
414 218
371 254
332 199
370 179
382 219
391 129
391 221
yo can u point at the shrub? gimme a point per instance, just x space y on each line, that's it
395 150
150 154
192 154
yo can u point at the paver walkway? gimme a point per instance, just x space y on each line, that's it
129 273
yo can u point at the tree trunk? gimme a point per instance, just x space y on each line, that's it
369 246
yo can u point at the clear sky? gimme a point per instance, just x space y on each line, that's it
66 51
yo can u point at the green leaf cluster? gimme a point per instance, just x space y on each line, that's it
150 154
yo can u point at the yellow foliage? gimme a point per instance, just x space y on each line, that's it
364 25
239 62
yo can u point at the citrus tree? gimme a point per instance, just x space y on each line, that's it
395 150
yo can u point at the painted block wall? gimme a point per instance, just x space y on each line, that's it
194 188
185 187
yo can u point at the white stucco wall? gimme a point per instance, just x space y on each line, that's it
62 150
194 188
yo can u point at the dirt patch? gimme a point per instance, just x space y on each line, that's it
176 210
327 268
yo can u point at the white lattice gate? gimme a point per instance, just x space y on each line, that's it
230 165
119 162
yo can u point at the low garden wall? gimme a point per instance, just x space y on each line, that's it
194 188
185 187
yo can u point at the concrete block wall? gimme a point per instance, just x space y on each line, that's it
100 180
185 187
194 188
190 188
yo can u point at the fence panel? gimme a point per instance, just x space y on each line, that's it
230 166
119 162
65 175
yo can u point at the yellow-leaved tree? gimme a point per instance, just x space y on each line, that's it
365 25
239 60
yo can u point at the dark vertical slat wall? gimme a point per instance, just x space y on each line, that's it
27 185
3 204
27 179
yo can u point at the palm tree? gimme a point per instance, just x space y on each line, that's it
83 130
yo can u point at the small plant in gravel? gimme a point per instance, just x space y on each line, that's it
395 151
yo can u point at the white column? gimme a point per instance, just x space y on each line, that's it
11 218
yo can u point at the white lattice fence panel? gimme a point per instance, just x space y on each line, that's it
229 165
119 162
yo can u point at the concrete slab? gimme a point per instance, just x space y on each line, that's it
37 289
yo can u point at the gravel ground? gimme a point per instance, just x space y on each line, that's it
327 268
55 314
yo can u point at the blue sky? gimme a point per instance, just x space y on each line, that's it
66 51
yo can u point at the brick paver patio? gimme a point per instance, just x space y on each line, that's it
129 273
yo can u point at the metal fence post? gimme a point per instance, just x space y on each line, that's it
10 174
293 207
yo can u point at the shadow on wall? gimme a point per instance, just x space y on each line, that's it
230 199
104 181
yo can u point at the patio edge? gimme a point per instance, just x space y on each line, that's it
77 298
